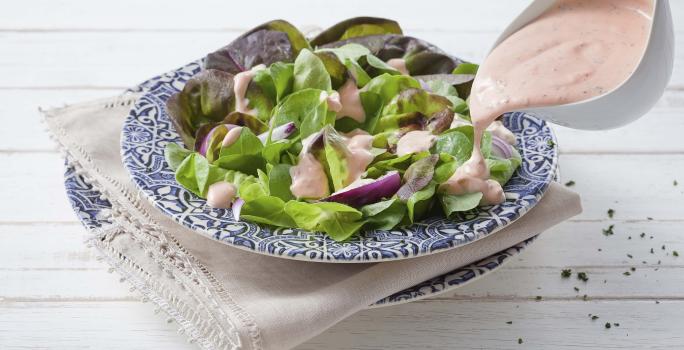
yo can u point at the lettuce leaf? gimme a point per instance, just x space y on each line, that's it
306 109
356 27
207 97
279 182
457 203
246 144
196 174
458 142
337 220
420 56
384 215
310 73
269 210
175 155
420 202
278 41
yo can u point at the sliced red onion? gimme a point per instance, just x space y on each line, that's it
237 206
425 86
501 148
279 133
383 187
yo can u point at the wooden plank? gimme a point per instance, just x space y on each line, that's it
20 108
482 325
87 325
165 15
50 262
34 188
215 14
46 247
572 244
423 325
113 59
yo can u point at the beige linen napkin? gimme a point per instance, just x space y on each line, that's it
224 297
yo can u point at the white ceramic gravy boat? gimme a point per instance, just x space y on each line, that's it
630 100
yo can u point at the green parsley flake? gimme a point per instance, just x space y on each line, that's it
608 231
570 183
582 276
565 273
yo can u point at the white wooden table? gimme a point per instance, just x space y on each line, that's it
54 294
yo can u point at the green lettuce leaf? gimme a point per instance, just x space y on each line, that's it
420 56
175 155
306 109
269 210
196 174
246 144
310 73
279 181
501 170
458 142
339 221
420 202
245 163
384 215
452 203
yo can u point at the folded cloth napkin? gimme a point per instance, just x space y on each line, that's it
227 298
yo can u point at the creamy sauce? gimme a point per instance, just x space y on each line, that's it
351 102
232 136
240 84
576 50
333 101
414 142
309 180
398 64
221 194
359 156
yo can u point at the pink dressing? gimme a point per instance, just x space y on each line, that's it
333 101
351 102
309 180
240 84
576 50
359 156
415 141
232 136
398 64
221 194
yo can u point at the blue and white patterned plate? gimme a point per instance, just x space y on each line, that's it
92 210
148 129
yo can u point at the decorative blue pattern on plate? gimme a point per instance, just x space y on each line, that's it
147 130
93 212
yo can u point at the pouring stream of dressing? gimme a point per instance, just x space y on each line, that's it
576 50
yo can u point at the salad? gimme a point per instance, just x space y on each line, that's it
360 127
